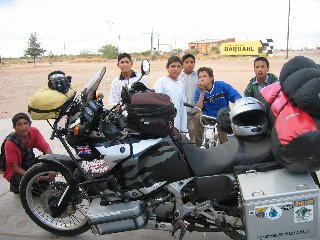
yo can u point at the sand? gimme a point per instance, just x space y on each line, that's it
18 82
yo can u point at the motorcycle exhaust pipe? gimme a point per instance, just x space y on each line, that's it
118 217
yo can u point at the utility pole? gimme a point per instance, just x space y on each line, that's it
152 43
158 44
109 23
288 31
152 55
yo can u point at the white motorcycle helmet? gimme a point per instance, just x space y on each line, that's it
248 117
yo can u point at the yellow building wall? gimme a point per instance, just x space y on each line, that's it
244 48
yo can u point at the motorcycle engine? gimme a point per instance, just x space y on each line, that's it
164 210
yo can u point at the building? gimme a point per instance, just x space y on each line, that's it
205 46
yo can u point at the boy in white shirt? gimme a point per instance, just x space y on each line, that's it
173 87
126 78
189 78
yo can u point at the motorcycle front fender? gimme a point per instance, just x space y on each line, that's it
60 162
65 163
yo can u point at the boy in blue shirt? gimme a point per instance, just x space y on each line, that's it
211 96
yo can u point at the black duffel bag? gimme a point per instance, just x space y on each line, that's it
152 114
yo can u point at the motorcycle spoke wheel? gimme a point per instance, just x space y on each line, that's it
36 197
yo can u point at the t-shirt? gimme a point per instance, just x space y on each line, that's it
190 83
218 97
175 90
13 152
119 82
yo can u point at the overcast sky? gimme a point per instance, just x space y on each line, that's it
71 26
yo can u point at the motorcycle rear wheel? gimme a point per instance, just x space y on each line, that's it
35 199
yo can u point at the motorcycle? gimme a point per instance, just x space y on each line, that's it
115 179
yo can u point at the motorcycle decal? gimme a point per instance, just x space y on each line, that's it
144 144
139 179
165 152
273 213
287 207
94 167
138 170
114 153
281 235
260 213
251 212
122 151
83 150
303 214
304 202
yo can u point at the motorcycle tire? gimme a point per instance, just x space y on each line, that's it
36 196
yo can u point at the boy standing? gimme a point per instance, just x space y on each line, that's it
189 78
262 78
126 78
171 86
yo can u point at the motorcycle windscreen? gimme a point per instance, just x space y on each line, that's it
92 86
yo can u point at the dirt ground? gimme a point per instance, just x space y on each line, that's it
20 81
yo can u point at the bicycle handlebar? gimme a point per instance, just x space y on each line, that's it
191 106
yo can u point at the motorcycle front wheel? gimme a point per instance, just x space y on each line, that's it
36 196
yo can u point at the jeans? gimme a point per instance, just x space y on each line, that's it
190 125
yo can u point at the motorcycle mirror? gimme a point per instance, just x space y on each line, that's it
145 67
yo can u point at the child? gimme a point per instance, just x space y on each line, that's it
189 78
126 78
211 96
173 87
262 78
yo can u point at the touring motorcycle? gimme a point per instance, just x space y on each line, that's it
115 179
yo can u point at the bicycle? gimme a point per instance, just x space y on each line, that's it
210 130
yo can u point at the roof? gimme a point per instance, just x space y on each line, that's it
207 41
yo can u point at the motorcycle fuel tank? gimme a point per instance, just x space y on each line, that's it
163 162
279 205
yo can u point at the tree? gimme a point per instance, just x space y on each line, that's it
85 53
215 49
146 53
34 47
109 51
177 51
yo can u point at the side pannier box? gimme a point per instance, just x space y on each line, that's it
279 205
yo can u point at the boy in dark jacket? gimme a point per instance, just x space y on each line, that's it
19 149
262 78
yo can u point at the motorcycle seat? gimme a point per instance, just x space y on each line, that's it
224 157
